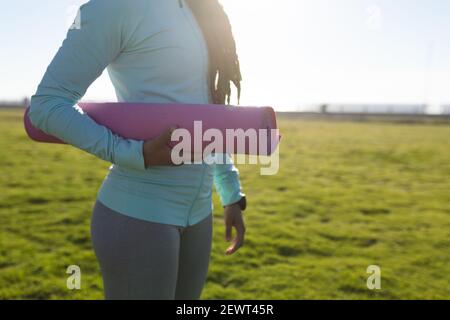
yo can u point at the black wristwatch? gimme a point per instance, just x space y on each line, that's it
242 203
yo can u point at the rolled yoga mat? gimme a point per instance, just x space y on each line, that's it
142 121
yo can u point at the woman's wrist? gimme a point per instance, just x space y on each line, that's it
242 203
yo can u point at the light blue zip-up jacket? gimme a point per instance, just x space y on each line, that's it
154 52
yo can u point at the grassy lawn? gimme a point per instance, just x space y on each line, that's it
348 195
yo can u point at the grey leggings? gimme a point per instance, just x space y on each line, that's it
145 260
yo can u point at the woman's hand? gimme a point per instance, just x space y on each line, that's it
233 218
157 151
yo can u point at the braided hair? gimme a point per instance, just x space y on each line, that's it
223 60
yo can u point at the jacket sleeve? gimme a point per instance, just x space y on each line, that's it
226 181
84 54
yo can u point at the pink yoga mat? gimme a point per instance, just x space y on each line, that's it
142 121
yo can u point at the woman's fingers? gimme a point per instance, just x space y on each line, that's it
165 137
228 226
164 142
233 219
238 240
157 151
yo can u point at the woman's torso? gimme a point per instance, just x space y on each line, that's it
164 61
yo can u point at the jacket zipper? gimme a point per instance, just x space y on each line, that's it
204 166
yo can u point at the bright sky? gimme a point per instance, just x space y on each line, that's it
292 52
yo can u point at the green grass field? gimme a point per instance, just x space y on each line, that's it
348 195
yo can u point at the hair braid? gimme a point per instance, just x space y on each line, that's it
223 60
